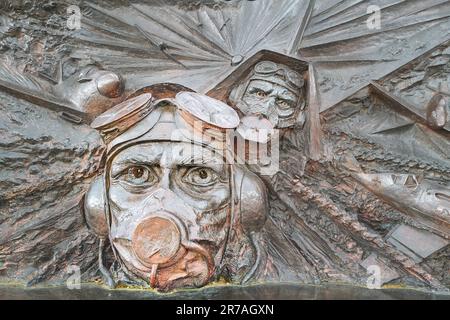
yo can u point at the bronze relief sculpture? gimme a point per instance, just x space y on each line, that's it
171 203
124 157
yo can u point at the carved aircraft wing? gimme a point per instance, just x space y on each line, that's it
25 86
200 45
345 33
196 47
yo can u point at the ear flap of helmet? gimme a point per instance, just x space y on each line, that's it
253 201
95 208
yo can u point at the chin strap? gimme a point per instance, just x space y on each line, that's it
230 217
107 278
258 259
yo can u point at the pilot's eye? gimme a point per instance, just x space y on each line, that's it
136 172
203 174
139 176
201 177
283 104
259 93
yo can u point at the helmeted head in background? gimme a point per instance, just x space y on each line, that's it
272 91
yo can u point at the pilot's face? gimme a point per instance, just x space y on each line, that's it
169 205
273 101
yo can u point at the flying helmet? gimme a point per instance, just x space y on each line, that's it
178 115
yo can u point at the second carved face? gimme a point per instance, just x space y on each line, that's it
273 91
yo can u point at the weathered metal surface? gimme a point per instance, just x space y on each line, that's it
173 144
228 292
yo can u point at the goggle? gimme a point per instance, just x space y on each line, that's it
269 68
192 107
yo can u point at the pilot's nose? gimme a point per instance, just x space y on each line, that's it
156 240
267 107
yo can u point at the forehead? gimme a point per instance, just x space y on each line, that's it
267 85
169 153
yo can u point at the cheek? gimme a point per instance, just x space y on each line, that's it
212 218
219 198
212 225
252 99
122 199
286 112
208 200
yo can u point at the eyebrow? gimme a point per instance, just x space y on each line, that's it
289 92
121 164
201 159
260 84
137 159
284 97
205 159
265 89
